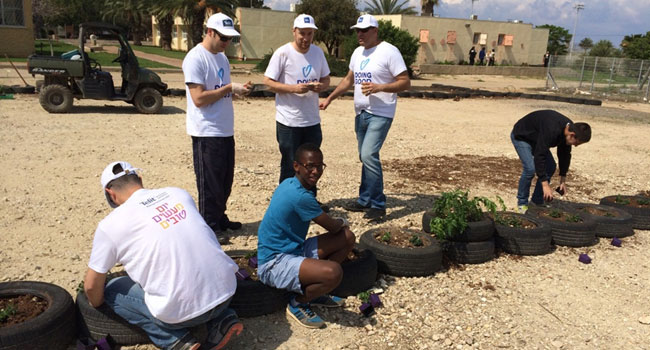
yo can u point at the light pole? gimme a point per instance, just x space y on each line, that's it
577 7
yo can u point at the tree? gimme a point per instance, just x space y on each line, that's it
407 44
604 48
257 4
558 39
389 7
131 14
427 7
333 18
636 46
586 44
193 14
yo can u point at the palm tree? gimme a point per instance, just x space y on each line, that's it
193 14
129 13
389 7
165 12
427 7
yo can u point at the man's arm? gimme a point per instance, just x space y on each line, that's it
329 223
94 287
202 97
283 88
343 86
402 82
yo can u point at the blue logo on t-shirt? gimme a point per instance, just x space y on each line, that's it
364 63
306 70
220 73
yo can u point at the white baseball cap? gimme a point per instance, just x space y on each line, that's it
108 176
222 24
365 21
304 21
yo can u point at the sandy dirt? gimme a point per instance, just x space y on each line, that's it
51 201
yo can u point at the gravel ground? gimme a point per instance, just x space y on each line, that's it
51 202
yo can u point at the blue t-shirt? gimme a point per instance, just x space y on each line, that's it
286 222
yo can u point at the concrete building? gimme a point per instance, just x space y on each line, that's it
16 28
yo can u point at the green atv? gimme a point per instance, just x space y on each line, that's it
76 75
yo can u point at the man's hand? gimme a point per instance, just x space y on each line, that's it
370 88
315 86
241 89
548 192
301 88
323 105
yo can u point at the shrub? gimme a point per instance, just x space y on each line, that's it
338 68
453 210
261 65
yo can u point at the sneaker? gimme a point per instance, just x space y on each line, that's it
328 301
522 209
187 342
230 225
324 207
226 327
355 206
305 316
375 214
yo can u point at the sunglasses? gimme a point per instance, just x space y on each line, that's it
364 30
223 37
312 167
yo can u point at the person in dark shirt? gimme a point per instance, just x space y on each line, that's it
472 56
533 136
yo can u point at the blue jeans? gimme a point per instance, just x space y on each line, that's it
289 139
525 153
126 298
371 132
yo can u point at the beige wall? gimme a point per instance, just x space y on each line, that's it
528 42
179 34
262 31
18 41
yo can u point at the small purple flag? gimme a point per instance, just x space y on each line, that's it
252 262
367 309
585 259
374 300
616 242
242 274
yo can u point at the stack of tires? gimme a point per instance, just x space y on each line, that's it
475 245
530 237
580 233
637 206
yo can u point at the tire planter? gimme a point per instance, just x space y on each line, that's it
95 323
254 298
640 214
618 225
477 231
469 252
571 234
524 241
397 261
54 329
358 275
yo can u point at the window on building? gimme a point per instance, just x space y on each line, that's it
509 40
477 37
500 39
11 13
451 37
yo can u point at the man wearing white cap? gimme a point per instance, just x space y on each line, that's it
177 275
297 72
210 120
377 72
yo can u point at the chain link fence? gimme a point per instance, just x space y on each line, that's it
603 77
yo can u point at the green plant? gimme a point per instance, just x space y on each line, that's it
643 201
508 220
364 296
9 310
609 215
80 287
261 65
416 241
620 200
573 218
453 210
385 237
338 68
251 254
555 213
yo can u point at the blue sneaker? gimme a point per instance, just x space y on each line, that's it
328 301
305 316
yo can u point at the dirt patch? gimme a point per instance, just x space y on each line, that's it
630 201
600 212
403 238
560 215
514 221
21 308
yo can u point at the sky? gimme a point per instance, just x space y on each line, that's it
599 20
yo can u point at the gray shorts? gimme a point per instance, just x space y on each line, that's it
283 270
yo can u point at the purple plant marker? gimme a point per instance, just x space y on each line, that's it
102 344
242 274
584 258
367 309
374 300
616 242
252 262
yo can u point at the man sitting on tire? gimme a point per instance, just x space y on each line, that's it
178 276
533 136
310 268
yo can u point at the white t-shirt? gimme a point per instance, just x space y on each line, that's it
202 67
289 66
168 249
379 65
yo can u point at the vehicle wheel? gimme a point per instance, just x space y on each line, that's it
56 98
469 252
254 298
358 275
53 329
610 221
148 100
571 234
397 261
95 323
640 213
524 241
477 231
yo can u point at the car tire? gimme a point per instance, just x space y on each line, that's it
53 329
619 225
469 252
570 234
524 241
640 215
358 275
148 100
55 98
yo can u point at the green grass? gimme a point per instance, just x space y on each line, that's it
155 50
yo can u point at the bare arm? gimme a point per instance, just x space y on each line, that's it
277 86
343 86
402 82
329 223
94 287
202 97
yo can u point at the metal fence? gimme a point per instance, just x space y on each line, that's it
608 77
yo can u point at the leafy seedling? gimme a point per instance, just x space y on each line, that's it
416 241
609 215
616 242
453 210
621 200
9 310
555 213
573 218
508 220
364 296
385 237
584 258
643 201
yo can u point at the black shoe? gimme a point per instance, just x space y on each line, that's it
355 206
324 207
232 225
223 239
375 214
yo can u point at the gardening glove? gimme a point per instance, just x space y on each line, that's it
240 89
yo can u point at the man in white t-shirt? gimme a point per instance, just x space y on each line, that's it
177 275
378 72
210 120
297 72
